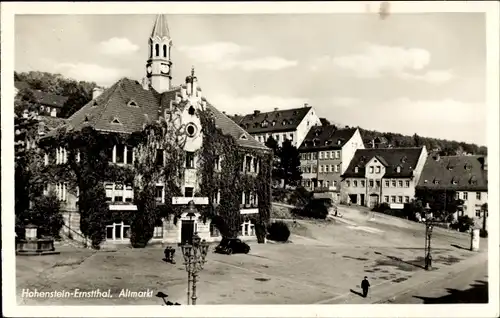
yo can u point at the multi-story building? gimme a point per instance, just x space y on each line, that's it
124 108
467 175
287 124
48 104
384 175
325 154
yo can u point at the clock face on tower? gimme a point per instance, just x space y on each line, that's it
164 68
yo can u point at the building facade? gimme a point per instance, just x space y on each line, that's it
287 124
48 104
467 175
124 108
385 175
325 154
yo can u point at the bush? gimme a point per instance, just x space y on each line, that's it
382 207
46 214
463 224
316 209
300 197
279 231
483 233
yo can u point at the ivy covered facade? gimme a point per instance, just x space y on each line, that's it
126 164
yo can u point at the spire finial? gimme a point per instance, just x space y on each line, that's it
192 70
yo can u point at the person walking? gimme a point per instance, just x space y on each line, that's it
365 284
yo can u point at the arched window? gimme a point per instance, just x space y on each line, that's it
157 49
164 50
151 52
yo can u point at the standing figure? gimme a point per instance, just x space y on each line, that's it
364 286
169 254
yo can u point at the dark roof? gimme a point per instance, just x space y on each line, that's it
111 112
326 138
455 173
284 120
43 98
391 158
160 28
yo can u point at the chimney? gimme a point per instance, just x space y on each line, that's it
275 109
256 112
224 112
96 92
145 83
306 105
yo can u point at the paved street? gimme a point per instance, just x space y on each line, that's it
467 286
324 264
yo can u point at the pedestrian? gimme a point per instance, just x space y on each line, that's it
365 284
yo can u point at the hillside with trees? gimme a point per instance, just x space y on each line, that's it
442 146
78 92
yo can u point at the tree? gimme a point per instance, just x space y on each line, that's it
443 203
289 165
78 95
46 214
417 140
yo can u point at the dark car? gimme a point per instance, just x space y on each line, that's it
232 245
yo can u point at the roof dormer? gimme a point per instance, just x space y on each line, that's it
132 103
356 169
398 169
116 121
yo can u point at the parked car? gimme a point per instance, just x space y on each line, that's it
232 245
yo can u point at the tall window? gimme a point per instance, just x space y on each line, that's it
400 183
466 195
157 49
130 155
378 169
159 194
371 169
189 160
371 183
407 184
217 163
120 153
355 183
164 50
387 184
159 157
478 195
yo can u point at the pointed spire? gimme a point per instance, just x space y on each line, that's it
160 28
192 70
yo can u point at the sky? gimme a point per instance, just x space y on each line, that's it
407 73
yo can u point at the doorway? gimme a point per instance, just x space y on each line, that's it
187 231
362 199
374 200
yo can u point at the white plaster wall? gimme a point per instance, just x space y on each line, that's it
349 149
303 128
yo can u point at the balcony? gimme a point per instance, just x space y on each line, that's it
326 189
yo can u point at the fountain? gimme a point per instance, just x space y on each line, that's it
32 245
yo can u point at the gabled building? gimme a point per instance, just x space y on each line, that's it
126 107
325 154
49 104
385 175
467 175
287 124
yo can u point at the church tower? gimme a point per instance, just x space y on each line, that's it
159 64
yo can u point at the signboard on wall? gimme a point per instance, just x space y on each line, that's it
397 206
185 200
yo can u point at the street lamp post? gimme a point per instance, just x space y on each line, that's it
428 238
194 259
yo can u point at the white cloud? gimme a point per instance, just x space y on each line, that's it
229 55
435 76
245 105
379 60
90 72
344 101
117 46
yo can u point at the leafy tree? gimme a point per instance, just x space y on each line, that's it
443 203
46 214
417 141
78 95
289 164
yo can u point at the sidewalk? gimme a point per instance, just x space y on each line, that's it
385 291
